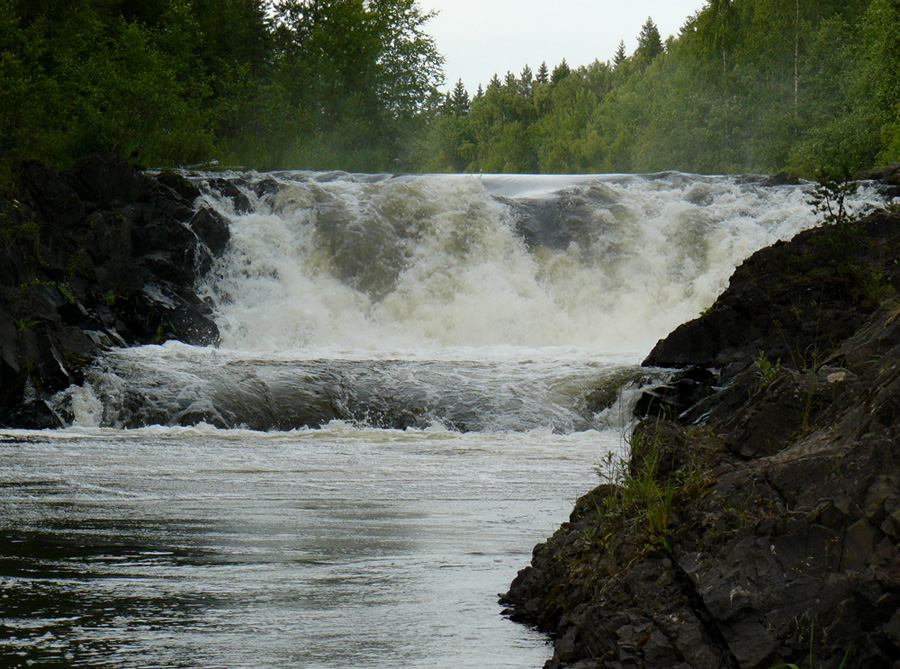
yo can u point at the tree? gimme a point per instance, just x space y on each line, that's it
359 57
458 100
722 14
649 43
619 57
526 80
560 72
543 74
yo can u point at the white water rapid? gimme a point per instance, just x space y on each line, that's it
417 376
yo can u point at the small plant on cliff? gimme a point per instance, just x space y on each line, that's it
829 198
648 494
766 371
23 324
630 513
875 286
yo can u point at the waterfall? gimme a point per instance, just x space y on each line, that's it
472 302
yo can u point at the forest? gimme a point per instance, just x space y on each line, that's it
761 86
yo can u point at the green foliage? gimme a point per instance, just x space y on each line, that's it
638 501
746 86
23 324
766 370
829 198
171 82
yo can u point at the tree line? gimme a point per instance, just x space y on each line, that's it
747 85
290 83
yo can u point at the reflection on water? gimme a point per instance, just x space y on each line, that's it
339 547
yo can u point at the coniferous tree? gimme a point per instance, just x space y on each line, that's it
543 74
649 43
459 99
560 72
619 57
526 81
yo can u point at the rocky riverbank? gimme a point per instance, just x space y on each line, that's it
758 520
99 256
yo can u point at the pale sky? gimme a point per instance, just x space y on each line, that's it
481 37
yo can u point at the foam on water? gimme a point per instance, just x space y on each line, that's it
490 303
438 363
435 261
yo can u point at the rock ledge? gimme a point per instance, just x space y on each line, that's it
758 521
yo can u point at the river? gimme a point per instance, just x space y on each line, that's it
416 379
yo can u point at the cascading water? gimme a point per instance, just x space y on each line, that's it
417 375
475 303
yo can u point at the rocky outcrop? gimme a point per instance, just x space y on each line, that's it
99 256
758 520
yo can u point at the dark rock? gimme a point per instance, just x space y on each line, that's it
179 184
105 180
266 187
887 174
34 414
162 235
782 179
51 198
212 229
793 302
99 256
681 392
779 488
228 189
159 201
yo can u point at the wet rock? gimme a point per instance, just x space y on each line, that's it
684 389
35 414
212 229
782 179
101 255
187 190
228 189
777 490
886 179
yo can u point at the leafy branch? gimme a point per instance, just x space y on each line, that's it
829 198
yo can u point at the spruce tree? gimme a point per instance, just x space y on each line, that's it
619 56
649 42
560 72
526 80
459 99
543 74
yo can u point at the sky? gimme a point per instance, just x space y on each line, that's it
481 37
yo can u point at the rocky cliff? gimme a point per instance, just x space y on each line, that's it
99 256
758 519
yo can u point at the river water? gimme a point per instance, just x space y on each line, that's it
416 379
